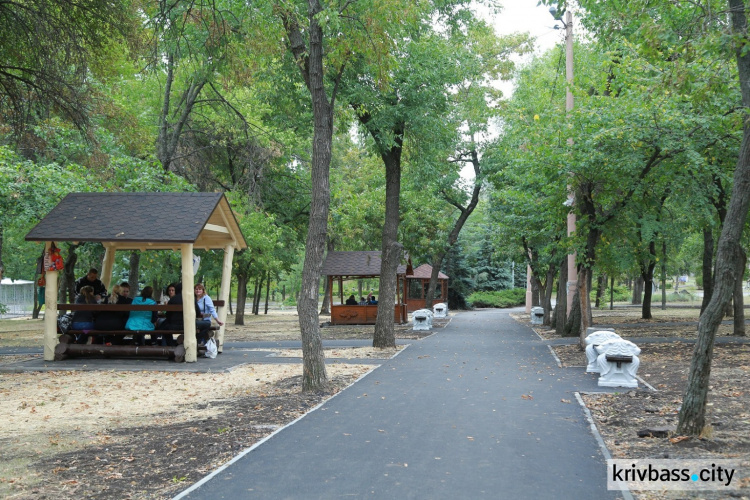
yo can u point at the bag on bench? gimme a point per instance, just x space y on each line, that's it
211 349
64 322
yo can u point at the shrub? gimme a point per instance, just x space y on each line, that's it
681 296
503 298
622 294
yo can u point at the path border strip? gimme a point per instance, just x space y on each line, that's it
245 452
599 439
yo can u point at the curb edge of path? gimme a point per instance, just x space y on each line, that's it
245 452
599 439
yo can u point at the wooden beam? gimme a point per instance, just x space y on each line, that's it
107 265
226 281
216 229
188 298
50 312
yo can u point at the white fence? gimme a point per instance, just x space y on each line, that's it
16 298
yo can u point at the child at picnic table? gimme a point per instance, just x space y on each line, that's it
142 320
84 320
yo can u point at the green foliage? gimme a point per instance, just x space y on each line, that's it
502 299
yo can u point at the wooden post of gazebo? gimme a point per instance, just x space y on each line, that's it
188 299
50 311
108 265
226 280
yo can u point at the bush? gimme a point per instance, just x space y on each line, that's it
622 294
501 299
681 296
290 301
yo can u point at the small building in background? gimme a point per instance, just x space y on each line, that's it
416 286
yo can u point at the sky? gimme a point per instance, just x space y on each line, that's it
521 16
526 16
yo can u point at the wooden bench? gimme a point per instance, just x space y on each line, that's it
619 359
68 348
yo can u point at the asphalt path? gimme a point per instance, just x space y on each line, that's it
478 410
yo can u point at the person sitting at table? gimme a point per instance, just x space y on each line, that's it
142 320
362 301
174 319
351 301
207 311
165 298
112 320
125 293
373 301
91 279
84 320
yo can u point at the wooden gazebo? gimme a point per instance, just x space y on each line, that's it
346 266
143 221
416 286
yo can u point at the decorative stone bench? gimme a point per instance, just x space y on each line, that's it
537 315
618 363
594 339
421 320
440 310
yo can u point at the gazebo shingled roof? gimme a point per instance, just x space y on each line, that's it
355 264
150 221
424 272
143 221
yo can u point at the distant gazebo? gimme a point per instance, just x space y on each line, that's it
347 266
143 221
416 286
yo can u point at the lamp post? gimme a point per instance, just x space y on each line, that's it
572 284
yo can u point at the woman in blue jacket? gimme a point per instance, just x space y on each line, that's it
142 320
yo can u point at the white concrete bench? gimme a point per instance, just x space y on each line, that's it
440 310
618 363
537 315
594 339
421 320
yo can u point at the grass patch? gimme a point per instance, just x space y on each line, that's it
501 299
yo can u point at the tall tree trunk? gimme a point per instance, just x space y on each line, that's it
437 260
708 259
692 416
648 292
561 302
2 265
536 290
547 299
392 250
664 275
68 276
584 297
573 325
135 261
637 291
738 299
257 293
601 281
647 275
168 139
326 307
612 293
310 61
239 317
268 291
437 263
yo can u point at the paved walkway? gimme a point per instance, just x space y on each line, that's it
479 410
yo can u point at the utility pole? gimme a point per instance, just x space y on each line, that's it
572 270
